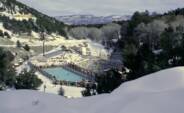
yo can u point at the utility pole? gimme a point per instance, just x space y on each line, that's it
43 40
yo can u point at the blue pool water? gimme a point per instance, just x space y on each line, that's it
63 74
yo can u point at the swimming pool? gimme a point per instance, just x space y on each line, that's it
63 74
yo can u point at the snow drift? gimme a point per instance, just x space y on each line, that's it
160 92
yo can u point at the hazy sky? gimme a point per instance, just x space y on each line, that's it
101 7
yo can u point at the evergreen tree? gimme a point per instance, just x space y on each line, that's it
109 81
7 73
18 44
27 80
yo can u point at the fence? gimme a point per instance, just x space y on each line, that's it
89 77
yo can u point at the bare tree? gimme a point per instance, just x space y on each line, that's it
150 33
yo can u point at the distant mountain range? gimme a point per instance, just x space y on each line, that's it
90 19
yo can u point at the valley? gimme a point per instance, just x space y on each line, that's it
57 58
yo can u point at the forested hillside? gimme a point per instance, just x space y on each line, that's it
20 18
151 42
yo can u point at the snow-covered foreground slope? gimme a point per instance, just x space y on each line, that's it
161 92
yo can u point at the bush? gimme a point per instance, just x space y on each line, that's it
91 89
7 35
1 33
87 92
18 44
27 80
61 91
27 48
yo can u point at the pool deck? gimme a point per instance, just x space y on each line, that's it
69 91
90 78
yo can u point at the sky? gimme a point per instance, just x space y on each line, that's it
102 7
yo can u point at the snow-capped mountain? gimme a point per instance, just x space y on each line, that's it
160 92
90 19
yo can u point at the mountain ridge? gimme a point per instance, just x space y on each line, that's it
20 18
91 19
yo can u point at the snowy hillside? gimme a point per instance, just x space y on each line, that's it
15 12
161 92
21 19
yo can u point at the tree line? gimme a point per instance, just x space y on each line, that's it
8 76
149 43
152 42
42 23
103 34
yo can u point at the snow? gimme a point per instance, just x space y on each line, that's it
69 91
3 29
15 14
90 19
160 92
